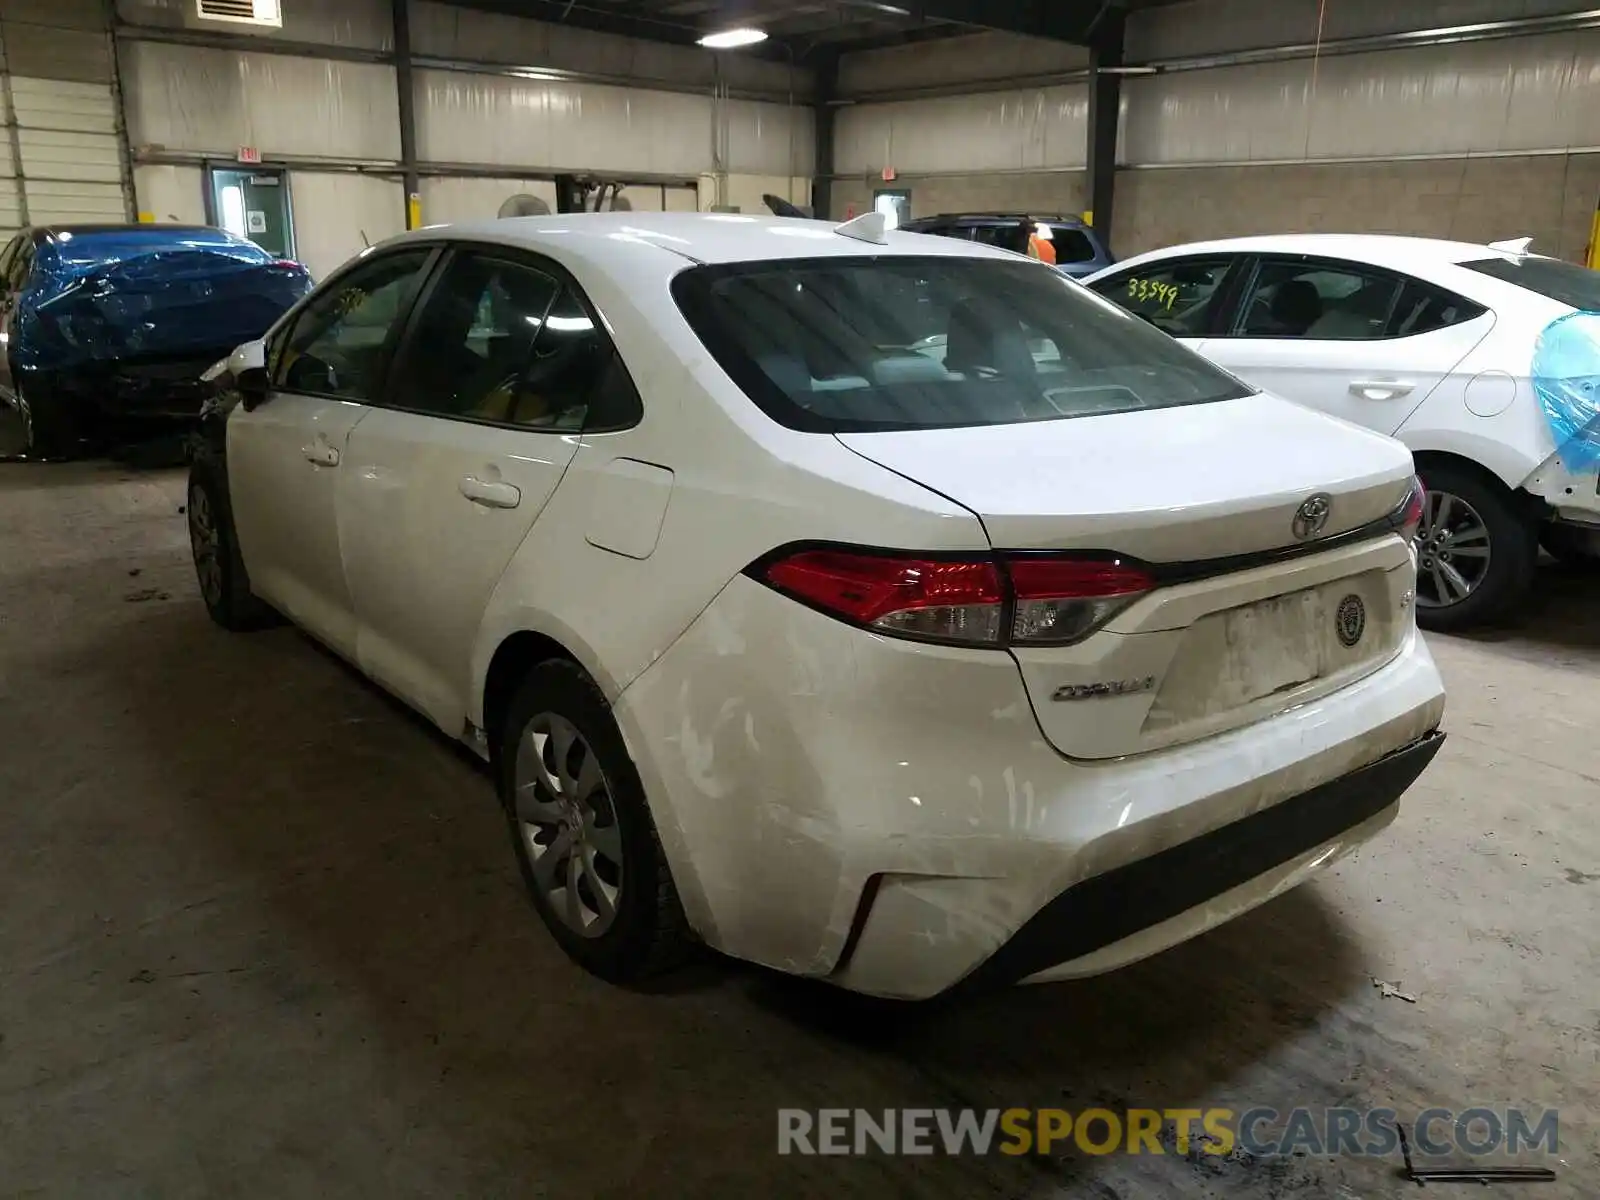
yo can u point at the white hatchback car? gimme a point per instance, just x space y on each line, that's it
1463 352
880 608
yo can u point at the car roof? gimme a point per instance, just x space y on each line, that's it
624 242
1391 250
997 216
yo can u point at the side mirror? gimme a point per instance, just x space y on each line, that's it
253 386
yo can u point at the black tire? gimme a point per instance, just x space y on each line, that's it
219 570
49 424
648 934
1513 545
1572 546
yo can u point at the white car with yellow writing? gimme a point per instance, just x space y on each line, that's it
1484 360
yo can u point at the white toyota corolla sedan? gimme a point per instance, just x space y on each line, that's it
879 608
1484 360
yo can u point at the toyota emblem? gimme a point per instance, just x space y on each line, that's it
1351 620
1312 516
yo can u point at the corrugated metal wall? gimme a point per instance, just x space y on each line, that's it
642 111
61 158
1471 139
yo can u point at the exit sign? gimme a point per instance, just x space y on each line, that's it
889 174
249 154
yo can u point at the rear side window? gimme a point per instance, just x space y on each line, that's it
1560 281
1072 246
898 342
1423 307
1318 302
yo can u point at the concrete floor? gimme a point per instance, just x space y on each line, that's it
261 935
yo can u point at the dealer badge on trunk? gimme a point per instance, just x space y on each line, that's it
1351 620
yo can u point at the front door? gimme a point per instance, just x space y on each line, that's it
1352 340
255 204
483 417
286 456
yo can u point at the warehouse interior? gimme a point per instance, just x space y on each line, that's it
260 935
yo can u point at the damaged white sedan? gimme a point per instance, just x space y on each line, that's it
879 608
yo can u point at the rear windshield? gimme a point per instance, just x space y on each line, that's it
104 245
1562 282
898 342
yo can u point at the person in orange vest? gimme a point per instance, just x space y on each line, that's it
1039 244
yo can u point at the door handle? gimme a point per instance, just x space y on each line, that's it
322 454
493 495
1380 389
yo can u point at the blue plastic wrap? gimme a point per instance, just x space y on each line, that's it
1566 375
124 296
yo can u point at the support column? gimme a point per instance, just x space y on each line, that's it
1105 104
405 93
826 73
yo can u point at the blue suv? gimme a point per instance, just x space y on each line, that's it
1079 250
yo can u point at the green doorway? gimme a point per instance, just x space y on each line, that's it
253 204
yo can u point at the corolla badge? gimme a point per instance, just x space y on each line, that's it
1312 516
1098 691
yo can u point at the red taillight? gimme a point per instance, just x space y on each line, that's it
956 600
1061 600
1055 599
1411 512
288 262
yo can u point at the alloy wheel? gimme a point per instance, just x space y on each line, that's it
568 822
205 540
1453 551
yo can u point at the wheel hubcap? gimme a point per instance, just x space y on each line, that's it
1453 551
206 543
568 822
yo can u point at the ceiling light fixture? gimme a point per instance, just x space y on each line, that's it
731 39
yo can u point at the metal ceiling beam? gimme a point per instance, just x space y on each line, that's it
1074 21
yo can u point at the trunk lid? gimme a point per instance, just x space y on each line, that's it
1233 643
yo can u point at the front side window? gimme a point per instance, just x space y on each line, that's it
875 343
336 346
1177 296
1577 287
1317 301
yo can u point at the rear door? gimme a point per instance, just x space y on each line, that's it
1353 340
285 456
1184 297
490 395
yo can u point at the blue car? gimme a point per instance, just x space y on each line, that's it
1080 252
105 325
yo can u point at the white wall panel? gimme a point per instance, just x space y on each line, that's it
170 194
467 118
982 57
1536 93
186 98
358 24
1214 26
746 192
60 104
445 201
337 214
1033 129
449 31
769 139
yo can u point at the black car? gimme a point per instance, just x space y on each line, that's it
103 324
1079 250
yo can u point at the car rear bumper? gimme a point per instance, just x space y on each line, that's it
1139 907
888 815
